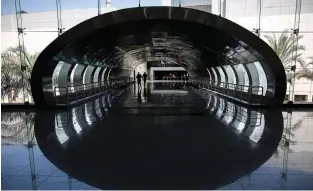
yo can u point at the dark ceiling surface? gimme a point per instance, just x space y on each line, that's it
127 45
129 37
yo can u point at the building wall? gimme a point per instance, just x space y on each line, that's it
41 27
277 16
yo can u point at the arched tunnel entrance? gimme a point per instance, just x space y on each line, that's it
103 52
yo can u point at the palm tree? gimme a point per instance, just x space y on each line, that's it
17 128
13 71
306 72
288 136
286 50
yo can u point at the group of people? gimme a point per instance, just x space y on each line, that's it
176 75
139 76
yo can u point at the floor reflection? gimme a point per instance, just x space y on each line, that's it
91 146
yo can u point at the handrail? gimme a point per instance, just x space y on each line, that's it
104 82
70 93
241 113
231 90
241 85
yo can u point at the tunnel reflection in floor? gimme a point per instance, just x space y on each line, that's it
164 136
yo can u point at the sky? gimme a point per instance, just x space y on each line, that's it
7 6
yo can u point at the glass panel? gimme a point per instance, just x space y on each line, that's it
146 3
106 6
243 78
55 78
202 5
274 40
215 76
96 75
306 16
167 2
210 77
262 79
39 15
124 4
300 136
304 72
72 77
242 12
8 40
231 76
222 74
77 11
8 16
303 84
34 43
281 15
251 68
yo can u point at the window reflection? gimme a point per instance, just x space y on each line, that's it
258 130
59 130
76 125
72 122
17 128
243 121
229 113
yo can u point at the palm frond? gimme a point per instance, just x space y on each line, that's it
12 77
288 50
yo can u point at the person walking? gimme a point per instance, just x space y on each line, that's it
138 79
144 79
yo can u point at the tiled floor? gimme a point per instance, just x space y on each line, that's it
171 148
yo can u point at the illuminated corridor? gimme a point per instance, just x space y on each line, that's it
103 53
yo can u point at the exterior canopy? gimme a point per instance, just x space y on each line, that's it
206 45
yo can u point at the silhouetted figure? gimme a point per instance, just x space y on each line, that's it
144 79
139 96
138 79
145 93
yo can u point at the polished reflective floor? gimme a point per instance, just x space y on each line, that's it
163 136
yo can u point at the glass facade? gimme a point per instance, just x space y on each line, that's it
284 23
28 26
